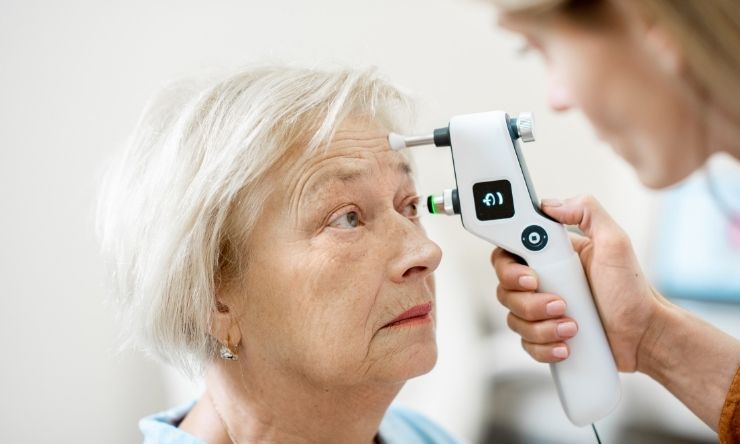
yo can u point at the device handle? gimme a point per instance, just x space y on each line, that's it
587 381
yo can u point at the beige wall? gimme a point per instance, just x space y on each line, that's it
73 77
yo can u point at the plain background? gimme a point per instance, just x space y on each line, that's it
74 76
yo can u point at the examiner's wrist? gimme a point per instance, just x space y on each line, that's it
653 352
695 361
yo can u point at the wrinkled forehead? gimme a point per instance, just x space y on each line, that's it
359 147
305 177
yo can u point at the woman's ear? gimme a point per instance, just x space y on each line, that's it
224 326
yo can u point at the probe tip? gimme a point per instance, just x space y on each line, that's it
396 141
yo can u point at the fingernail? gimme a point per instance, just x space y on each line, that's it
567 329
528 282
551 202
555 308
560 352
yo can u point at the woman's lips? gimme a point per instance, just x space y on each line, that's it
417 313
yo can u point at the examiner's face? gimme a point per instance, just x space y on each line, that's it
628 83
336 256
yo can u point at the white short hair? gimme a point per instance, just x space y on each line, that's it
199 155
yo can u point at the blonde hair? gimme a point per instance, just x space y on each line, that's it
166 218
708 31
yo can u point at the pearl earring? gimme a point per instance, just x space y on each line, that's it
227 354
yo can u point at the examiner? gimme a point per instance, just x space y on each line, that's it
660 81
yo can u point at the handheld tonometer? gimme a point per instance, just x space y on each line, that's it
496 201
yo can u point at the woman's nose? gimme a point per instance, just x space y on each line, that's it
559 96
416 256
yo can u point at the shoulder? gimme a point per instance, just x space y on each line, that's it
401 425
161 428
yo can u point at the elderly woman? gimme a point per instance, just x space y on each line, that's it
262 234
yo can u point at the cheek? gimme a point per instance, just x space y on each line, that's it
342 285
593 71
332 287
651 121
598 93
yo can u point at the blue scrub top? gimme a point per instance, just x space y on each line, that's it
399 426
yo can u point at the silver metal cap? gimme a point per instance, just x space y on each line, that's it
525 126
442 203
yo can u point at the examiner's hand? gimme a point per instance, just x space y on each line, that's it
626 301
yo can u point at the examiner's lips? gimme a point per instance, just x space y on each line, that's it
417 313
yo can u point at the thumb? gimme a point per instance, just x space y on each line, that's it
584 211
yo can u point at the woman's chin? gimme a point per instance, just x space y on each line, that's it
415 360
425 362
422 361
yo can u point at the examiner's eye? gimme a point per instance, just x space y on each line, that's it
350 219
528 46
524 49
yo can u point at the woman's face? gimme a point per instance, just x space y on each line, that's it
336 256
628 83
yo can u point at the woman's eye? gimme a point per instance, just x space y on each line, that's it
350 219
411 210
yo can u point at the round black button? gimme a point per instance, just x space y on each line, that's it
534 237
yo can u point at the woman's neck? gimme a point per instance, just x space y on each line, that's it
240 407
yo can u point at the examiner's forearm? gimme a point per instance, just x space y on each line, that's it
693 360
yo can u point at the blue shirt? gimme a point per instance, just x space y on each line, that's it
399 426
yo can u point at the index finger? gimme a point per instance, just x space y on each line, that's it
512 275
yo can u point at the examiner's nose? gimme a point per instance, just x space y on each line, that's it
417 256
558 95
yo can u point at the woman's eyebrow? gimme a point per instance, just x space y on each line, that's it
347 175
343 175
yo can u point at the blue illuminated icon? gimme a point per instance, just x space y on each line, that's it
493 200
490 199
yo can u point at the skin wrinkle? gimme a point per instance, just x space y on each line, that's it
314 159
300 188
341 175
354 143
377 328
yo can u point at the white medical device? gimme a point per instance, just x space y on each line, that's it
496 201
